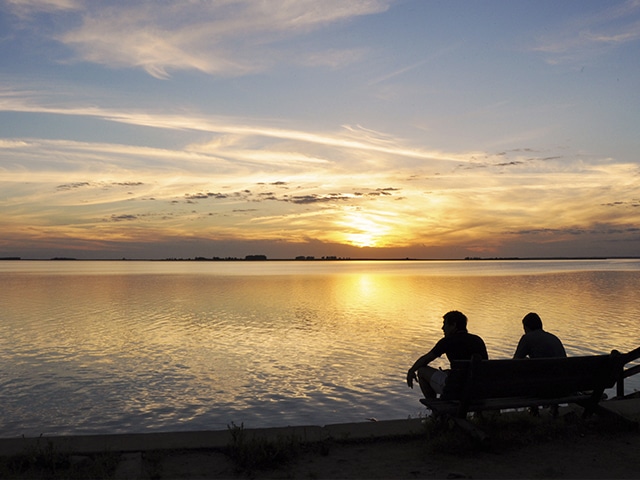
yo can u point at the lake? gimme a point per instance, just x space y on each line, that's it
92 347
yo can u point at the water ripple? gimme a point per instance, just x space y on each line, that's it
134 352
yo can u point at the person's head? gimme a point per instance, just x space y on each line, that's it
531 321
454 321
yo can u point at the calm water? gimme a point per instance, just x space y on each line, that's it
106 347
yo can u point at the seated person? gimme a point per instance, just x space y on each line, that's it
457 344
536 342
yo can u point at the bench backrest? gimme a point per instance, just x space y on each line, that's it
541 377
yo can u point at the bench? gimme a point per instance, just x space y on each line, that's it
476 385
627 372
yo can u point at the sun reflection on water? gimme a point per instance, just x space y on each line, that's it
132 352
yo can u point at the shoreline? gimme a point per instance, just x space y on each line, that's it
313 259
211 439
628 408
525 447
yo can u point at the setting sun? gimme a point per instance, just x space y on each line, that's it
314 135
364 230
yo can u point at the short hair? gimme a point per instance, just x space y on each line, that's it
532 321
459 319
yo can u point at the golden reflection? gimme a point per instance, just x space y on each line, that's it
179 337
380 297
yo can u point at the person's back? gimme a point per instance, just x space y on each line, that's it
457 344
461 345
536 342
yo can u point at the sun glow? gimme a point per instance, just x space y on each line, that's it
364 230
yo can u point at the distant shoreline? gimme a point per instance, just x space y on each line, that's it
314 259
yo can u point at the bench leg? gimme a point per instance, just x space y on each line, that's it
471 429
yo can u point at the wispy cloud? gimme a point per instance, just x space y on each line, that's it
434 56
611 27
79 189
29 7
355 138
227 38
361 123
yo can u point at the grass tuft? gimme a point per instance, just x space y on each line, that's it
251 452
504 431
43 461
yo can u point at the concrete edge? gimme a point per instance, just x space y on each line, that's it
136 442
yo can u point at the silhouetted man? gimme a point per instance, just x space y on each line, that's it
536 342
457 344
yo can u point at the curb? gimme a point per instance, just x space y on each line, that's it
140 442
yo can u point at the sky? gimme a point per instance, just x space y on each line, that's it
360 129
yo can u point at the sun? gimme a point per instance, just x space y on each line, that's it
364 230
362 239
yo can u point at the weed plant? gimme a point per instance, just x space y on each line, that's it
43 461
251 452
504 431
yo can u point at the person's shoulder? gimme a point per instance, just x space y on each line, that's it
442 342
475 336
537 336
549 334
555 337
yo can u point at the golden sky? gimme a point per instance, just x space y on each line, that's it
385 129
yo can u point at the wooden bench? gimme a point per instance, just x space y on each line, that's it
477 385
627 372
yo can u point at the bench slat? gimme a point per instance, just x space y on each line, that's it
528 377
452 406
476 385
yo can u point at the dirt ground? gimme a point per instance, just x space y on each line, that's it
573 452
585 458
518 447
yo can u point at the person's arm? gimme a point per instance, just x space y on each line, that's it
424 360
521 349
561 350
484 355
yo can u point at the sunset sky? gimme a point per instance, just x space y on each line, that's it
360 128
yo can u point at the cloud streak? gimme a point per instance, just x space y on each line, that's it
209 188
226 38
611 27
364 126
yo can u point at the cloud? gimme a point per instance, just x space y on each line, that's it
314 198
432 57
123 217
28 7
236 132
590 34
612 231
223 38
354 185
205 196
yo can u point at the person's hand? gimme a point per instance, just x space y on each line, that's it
411 376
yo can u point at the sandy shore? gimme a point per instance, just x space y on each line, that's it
519 447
